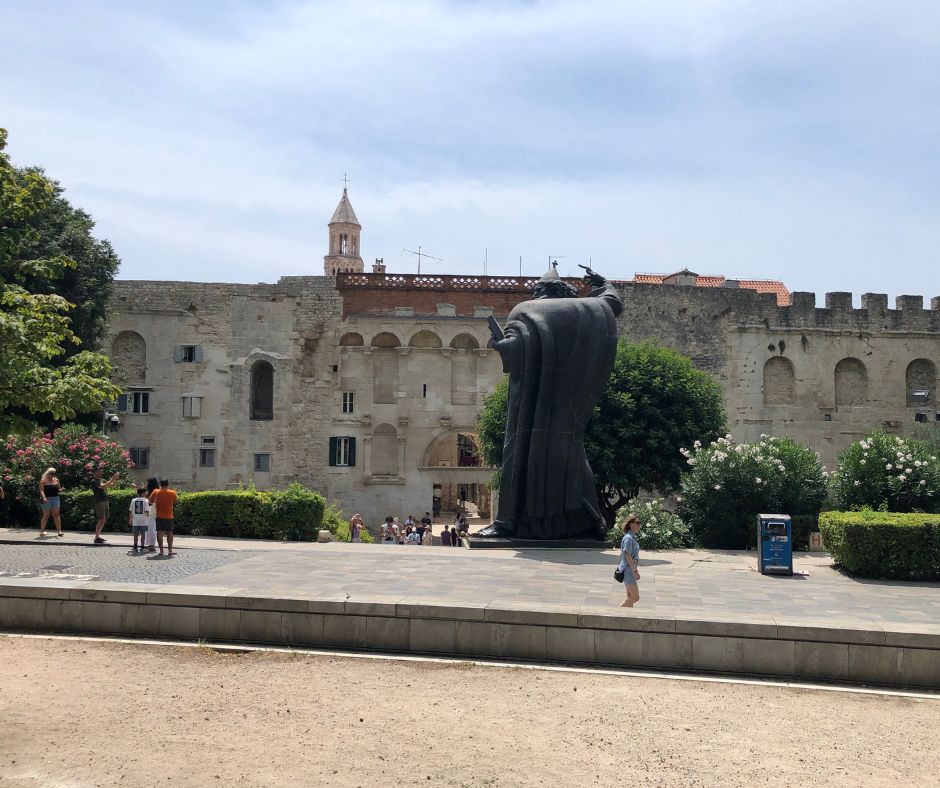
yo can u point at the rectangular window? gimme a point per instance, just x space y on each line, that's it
262 463
208 440
342 452
192 407
122 403
424 389
191 354
140 401
207 458
140 457
349 399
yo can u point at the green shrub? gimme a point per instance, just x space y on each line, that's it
890 473
294 514
897 546
337 525
660 528
728 485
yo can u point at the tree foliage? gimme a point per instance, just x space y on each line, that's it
37 376
655 403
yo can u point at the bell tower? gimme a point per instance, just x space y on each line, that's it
344 231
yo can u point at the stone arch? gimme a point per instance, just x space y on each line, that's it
851 382
464 342
129 352
351 339
779 381
455 448
385 450
425 339
385 339
261 406
921 375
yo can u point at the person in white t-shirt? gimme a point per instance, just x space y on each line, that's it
151 541
139 517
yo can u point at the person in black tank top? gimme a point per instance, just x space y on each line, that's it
49 489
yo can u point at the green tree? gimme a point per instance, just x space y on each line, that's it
655 403
35 328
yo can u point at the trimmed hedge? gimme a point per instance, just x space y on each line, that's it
884 544
294 514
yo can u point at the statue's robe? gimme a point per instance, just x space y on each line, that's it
559 353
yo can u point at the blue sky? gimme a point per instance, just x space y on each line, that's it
796 141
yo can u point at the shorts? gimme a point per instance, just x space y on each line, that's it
102 509
50 504
140 529
165 523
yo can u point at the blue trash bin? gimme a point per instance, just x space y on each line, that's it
775 544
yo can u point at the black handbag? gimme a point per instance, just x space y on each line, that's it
619 575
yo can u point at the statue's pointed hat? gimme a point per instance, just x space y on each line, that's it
551 275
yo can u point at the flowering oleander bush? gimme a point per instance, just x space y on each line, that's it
72 450
727 485
660 528
890 473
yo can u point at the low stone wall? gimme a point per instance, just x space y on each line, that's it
600 636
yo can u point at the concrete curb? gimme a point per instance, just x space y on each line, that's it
759 645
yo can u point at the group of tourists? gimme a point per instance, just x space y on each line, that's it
412 531
150 513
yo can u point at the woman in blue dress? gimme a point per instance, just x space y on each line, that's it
630 561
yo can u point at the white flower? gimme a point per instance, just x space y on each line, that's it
856 482
916 463
862 462
717 486
763 435
888 467
781 468
825 474
923 482
902 477
757 479
728 436
739 448
908 470
679 498
697 444
690 461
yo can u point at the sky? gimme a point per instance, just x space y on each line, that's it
797 141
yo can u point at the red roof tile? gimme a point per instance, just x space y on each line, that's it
779 289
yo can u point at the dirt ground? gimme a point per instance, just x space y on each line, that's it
82 713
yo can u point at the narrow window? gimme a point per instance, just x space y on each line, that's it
140 457
343 243
424 390
349 398
192 407
207 458
140 402
262 463
262 391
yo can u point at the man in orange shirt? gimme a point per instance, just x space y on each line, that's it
164 498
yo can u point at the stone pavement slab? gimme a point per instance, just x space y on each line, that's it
697 592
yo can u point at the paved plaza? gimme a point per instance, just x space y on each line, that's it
724 585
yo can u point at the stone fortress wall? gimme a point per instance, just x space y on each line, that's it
271 363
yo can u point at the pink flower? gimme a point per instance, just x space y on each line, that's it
89 465
8 478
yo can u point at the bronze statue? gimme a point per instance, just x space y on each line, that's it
559 351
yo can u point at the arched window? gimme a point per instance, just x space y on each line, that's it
851 382
385 340
385 450
464 342
779 381
352 339
262 391
921 382
129 352
425 339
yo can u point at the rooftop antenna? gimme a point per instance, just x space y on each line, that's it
419 254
